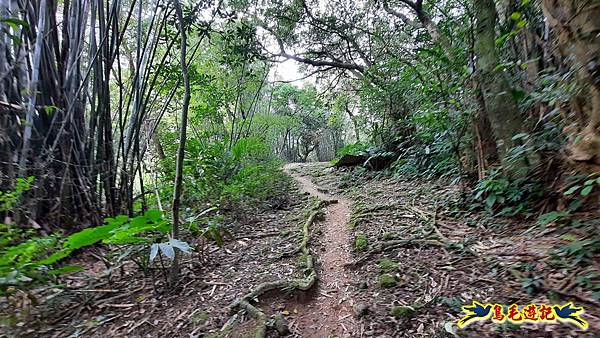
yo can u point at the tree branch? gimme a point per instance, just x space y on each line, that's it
401 16
315 63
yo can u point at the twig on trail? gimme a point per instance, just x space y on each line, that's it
258 236
285 285
100 302
96 290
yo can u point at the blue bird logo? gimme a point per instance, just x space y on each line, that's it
475 311
570 313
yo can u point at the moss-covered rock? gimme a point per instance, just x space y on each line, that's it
386 264
402 311
361 242
387 281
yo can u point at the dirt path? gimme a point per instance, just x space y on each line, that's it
330 313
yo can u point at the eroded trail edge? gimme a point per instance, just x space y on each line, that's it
330 312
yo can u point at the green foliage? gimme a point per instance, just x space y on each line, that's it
509 196
353 149
590 183
579 251
8 199
28 259
20 259
553 216
247 174
426 161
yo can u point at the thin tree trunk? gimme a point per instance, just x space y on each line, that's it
32 92
182 137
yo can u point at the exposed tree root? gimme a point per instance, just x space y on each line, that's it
244 303
395 244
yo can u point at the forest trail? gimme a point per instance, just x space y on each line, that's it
330 312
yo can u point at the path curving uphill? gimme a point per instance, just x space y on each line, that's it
330 312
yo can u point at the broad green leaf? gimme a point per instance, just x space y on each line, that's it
55 257
515 16
138 222
153 215
89 236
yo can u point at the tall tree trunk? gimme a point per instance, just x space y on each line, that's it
577 28
182 135
500 106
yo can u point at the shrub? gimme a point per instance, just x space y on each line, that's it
353 149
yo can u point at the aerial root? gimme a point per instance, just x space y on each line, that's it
244 303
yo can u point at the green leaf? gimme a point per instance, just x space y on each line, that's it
569 237
153 215
502 39
521 23
551 217
518 94
138 222
515 16
587 190
14 23
89 236
572 190
490 200
66 269
520 136
55 257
